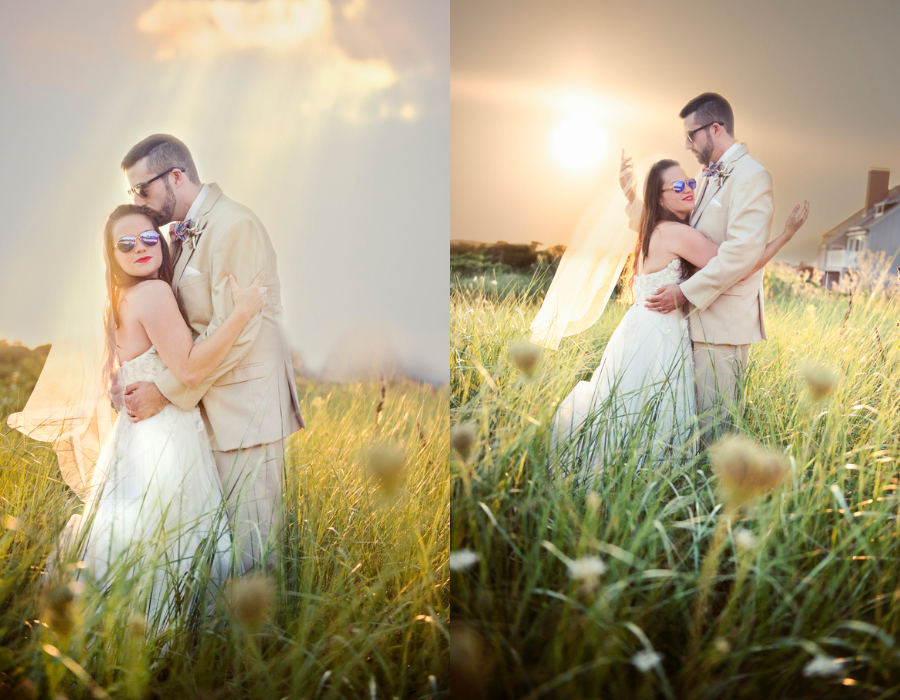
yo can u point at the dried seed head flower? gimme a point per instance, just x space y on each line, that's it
592 501
462 559
746 469
820 380
386 464
137 625
722 645
526 356
251 599
26 690
462 438
469 660
59 610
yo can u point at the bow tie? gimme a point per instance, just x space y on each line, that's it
712 170
179 231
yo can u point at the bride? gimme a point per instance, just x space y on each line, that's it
153 506
643 390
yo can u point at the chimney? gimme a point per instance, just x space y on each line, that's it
877 188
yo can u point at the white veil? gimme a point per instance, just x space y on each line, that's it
70 406
590 267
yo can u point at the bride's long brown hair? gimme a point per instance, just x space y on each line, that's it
652 214
117 279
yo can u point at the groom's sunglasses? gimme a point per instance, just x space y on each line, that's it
679 185
140 189
126 243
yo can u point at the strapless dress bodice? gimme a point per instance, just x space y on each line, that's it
143 368
645 285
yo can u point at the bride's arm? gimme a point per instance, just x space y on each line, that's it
697 249
157 311
794 222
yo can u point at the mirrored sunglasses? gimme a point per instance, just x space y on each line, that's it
679 185
126 243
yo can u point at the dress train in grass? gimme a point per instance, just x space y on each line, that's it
640 401
154 515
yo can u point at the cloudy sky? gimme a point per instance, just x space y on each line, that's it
545 95
329 119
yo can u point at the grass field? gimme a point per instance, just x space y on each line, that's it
644 587
359 609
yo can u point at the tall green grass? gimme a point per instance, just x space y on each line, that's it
359 607
805 599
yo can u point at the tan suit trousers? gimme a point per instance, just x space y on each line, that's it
252 480
719 375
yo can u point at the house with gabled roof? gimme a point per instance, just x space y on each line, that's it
875 227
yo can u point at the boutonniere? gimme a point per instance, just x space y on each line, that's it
718 171
193 231
724 173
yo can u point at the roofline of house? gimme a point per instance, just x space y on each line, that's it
856 218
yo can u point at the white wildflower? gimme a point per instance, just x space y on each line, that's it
823 665
587 568
462 559
744 539
646 660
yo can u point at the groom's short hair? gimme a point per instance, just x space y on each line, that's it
710 107
162 152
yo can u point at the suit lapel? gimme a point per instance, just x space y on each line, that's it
183 259
703 187
188 251
703 200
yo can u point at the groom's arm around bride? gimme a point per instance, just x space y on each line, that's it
250 401
734 209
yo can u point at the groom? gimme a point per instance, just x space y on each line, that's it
725 311
249 403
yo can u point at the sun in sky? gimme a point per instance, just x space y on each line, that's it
578 141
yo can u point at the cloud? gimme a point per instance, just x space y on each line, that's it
202 26
333 78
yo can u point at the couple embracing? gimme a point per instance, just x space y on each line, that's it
674 366
198 365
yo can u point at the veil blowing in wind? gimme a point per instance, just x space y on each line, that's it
589 269
71 406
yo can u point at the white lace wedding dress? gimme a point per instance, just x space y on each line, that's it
154 509
641 397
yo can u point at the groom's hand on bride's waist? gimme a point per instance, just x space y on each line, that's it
143 400
666 299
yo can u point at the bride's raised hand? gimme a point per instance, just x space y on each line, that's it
627 180
248 301
796 219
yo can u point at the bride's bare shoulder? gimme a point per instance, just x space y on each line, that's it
674 227
147 292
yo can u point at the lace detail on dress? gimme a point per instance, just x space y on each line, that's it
645 285
143 368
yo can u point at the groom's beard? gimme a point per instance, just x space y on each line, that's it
704 156
164 215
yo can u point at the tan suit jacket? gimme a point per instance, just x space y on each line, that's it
251 399
726 310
